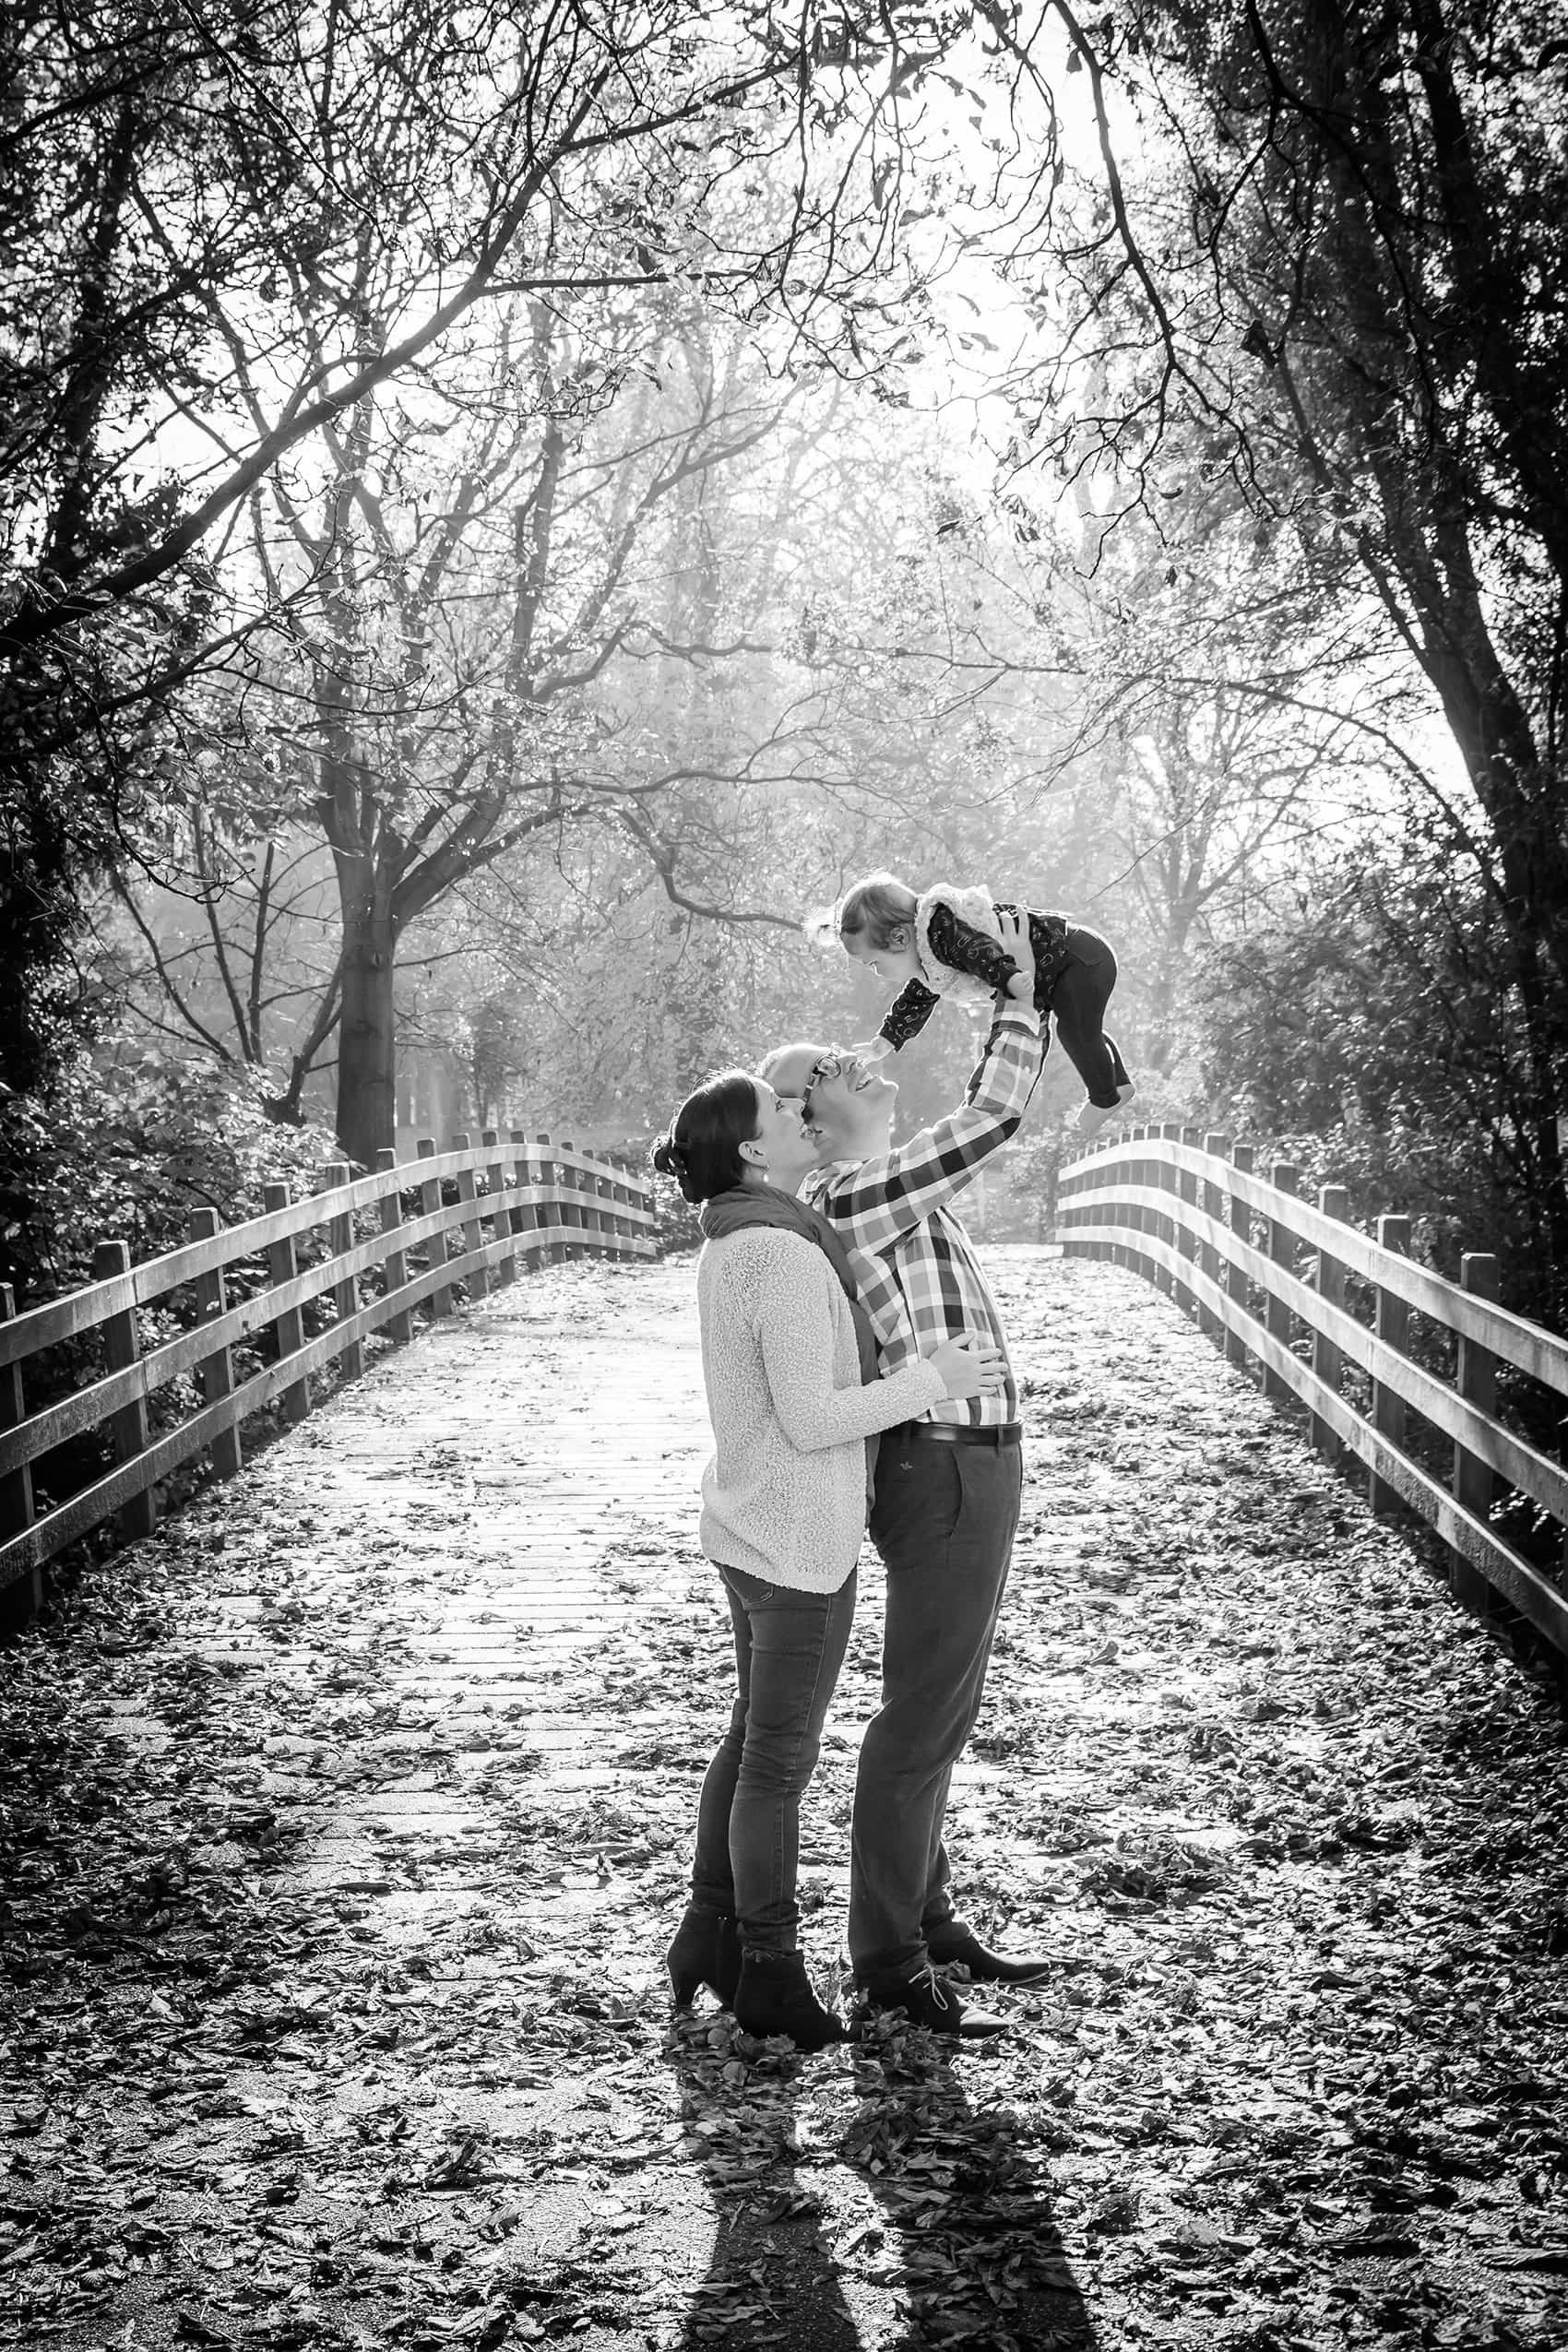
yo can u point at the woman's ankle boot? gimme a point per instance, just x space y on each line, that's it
774 1997
705 1950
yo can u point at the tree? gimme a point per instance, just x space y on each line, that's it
1368 1029
314 207
1345 261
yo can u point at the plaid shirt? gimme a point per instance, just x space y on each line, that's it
914 1265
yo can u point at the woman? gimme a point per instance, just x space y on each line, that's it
784 1504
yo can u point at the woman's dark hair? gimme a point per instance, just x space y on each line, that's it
702 1150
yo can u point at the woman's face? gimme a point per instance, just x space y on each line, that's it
790 1151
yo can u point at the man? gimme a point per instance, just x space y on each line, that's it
947 1496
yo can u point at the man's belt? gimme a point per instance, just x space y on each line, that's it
997 1433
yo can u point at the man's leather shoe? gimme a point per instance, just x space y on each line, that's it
958 1947
927 2002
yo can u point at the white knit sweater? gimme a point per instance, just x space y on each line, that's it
784 1497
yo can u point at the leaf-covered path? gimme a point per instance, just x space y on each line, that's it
342 1825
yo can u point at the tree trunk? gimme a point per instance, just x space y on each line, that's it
367 1037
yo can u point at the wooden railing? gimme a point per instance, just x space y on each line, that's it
1266 1274
315 1283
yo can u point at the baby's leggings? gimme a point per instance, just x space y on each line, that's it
1078 1001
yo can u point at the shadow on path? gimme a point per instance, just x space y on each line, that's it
772 2275
960 2246
968 2229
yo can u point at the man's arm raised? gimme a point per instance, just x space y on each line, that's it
887 1194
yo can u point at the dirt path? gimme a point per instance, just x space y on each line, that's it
342 1824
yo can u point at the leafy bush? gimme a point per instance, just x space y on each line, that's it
1378 1038
125 1149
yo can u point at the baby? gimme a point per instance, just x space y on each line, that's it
943 943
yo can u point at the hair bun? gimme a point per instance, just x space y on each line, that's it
670 1158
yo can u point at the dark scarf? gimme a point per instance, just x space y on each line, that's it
746 1204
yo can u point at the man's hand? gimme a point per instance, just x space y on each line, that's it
1013 938
871 1050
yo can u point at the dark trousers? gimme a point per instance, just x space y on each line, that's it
944 1521
789 1648
1077 1001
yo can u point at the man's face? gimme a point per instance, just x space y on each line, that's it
845 1100
790 1149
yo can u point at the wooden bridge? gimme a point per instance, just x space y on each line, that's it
1321 1309
285 1296
345 1812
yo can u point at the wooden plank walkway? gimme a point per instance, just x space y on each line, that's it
344 2025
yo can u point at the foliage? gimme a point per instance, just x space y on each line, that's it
231 238
123 1148
1376 1034
1340 250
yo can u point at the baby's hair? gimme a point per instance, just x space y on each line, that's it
702 1150
874 908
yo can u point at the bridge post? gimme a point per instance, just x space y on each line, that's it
1116 1245
288 1326
571 1214
475 1277
1144 1220
394 1265
1285 1178
620 1225
1392 1326
345 1293
215 1373
429 1205
550 1209
1327 1363
1215 1146
122 1349
1236 1284
634 1232
16 1488
1167 1181
583 1187
1477 1383
525 1216
500 1215
1185 1239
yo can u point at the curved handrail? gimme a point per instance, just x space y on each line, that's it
538 1196
1182 1210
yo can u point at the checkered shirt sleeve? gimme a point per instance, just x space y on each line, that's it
914 1265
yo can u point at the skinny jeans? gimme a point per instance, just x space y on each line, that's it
789 1648
1077 1002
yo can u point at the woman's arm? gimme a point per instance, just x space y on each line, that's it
794 1325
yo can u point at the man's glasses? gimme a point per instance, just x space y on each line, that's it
829 1065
